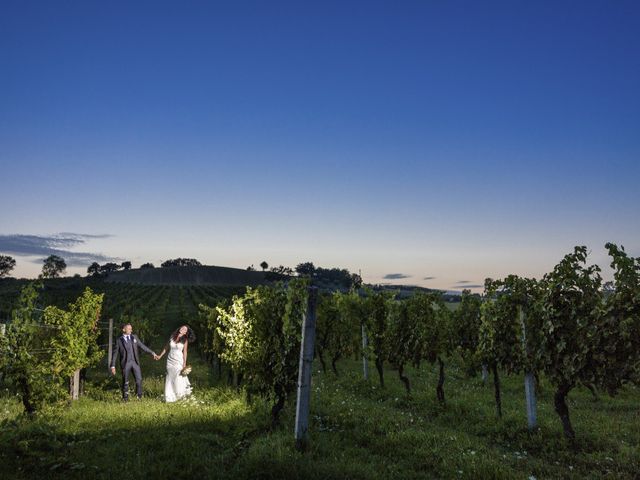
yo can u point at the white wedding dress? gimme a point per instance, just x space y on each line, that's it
176 386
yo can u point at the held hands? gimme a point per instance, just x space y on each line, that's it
156 357
113 370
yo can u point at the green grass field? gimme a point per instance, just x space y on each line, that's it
358 430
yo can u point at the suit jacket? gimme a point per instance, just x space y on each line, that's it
121 351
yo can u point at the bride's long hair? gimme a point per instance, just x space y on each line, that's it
190 336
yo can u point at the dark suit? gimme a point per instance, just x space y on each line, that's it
127 351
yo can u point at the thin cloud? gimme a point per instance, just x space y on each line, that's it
59 244
429 278
461 282
395 276
83 235
472 285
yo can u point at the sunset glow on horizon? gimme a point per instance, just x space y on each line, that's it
422 144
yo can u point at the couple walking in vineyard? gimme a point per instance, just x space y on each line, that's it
177 384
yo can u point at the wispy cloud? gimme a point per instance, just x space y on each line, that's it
395 276
468 285
429 278
462 282
58 244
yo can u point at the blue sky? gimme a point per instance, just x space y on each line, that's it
454 140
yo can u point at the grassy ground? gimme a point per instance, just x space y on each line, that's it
358 431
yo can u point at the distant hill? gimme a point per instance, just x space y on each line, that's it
200 275
408 290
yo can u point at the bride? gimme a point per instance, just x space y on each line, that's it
177 386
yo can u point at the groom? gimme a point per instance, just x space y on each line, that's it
127 349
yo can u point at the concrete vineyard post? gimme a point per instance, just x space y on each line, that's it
485 374
304 372
365 358
3 330
110 347
529 381
75 385
530 397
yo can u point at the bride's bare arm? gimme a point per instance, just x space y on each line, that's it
164 350
184 353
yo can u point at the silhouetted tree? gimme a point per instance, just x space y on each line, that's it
279 273
306 269
337 276
109 268
7 264
94 269
147 265
181 262
264 266
53 267
126 265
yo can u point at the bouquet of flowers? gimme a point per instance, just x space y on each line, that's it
185 371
